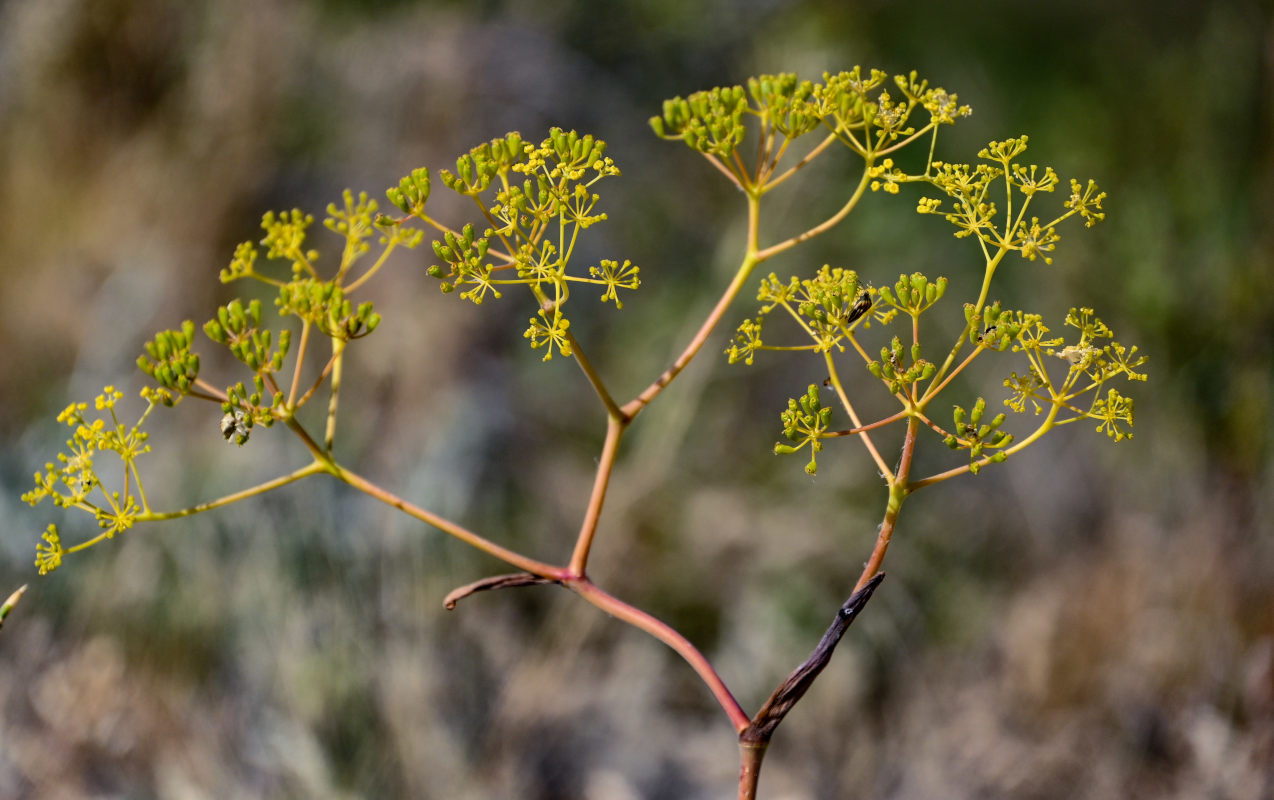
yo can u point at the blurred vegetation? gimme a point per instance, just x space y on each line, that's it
1094 622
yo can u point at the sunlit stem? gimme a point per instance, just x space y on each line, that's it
633 407
1045 426
327 368
300 361
858 424
991 264
724 170
465 535
792 170
338 348
141 490
901 143
880 423
898 491
822 227
372 270
261 488
615 427
933 145
933 389
612 409
212 393
666 634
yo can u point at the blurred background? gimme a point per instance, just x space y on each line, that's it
1093 621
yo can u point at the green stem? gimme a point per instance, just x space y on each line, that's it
372 270
822 227
933 389
853 416
633 407
261 488
300 360
1045 426
577 352
792 170
898 491
991 264
338 348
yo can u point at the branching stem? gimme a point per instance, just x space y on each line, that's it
633 407
465 535
615 427
823 226
669 636
898 491
338 348
300 361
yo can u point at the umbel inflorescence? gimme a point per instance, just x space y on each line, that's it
530 204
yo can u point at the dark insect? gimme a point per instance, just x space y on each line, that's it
862 304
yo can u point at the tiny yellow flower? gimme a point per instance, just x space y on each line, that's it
48 554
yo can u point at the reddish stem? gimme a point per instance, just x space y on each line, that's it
750 756
898 492
669 636
605 466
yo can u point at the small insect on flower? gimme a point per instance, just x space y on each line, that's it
1080 356
234 426
862 304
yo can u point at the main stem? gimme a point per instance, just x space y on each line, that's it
750 756
898 492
